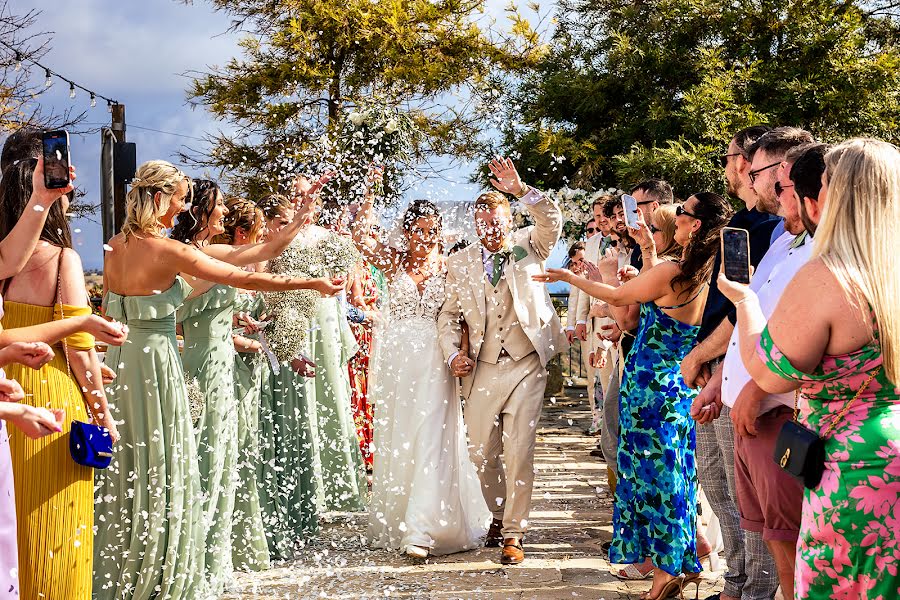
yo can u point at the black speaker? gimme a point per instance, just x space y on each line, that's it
124 161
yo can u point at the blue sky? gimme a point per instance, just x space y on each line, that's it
137 52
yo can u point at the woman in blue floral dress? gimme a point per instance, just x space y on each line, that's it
655 513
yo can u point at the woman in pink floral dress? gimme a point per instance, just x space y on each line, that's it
836 336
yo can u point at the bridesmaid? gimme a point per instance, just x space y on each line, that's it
340 470
150 502
244 225
287 486
54 503
206 318
363 296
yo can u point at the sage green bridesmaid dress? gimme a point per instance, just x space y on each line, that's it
150 536
208 357
340 471
249 551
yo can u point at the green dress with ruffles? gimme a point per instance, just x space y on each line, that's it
150 536
208 357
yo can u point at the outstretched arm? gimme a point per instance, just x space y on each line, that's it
646 287
250 254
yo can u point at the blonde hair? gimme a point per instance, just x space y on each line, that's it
141 213
665 216
857 236
274 205
491 200
244 214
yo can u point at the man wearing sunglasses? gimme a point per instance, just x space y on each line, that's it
768 501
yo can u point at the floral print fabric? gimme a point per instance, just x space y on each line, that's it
849 544
655 511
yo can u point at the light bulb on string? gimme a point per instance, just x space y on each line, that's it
93 100
18 62
72 91
49 81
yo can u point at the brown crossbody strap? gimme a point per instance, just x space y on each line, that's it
62 314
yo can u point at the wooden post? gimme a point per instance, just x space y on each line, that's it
118 129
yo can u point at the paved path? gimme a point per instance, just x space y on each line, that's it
571 517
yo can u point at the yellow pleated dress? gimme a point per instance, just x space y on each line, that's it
54 495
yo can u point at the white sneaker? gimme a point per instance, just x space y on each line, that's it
416 551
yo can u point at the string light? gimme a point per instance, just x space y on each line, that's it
22 57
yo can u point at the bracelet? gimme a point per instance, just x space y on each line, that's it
742 300
525 189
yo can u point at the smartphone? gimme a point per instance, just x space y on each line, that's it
629 205
56 159
736 254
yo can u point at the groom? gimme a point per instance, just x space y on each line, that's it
514 331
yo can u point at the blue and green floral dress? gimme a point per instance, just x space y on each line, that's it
655 511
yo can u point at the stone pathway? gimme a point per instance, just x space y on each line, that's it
571 517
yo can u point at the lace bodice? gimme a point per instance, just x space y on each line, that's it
407 303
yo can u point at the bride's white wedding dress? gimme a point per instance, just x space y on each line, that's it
425 491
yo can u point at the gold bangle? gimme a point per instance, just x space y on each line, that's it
525 189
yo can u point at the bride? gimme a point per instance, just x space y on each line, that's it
426 497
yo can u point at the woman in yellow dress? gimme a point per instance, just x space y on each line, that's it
54 495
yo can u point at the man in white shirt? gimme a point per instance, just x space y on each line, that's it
769 499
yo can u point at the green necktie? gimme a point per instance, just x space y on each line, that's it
499 258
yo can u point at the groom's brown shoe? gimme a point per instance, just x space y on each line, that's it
513 553
494 535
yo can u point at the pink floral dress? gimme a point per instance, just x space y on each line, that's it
849 544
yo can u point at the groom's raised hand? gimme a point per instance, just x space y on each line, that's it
462 365
506 178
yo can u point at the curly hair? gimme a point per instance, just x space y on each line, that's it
205 194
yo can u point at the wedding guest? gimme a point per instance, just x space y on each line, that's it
363 297
243 225
155 544
55 513
655 515
833 338
751 570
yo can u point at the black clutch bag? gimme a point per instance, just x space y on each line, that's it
801 451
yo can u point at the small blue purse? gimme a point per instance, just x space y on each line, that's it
90 445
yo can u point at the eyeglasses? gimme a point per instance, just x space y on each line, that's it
755 173
592 230
780 188
679 210
723 158
654 228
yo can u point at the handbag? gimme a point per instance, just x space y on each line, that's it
801 451
89 444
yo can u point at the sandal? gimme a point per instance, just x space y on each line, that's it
673 586
633 573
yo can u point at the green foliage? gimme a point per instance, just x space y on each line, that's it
630 89
307 62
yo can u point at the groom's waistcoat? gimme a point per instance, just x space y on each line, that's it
502 330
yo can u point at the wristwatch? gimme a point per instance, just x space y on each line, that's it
525 189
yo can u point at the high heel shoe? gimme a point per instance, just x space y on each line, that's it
692 578
673 586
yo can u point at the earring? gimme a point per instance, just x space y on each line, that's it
691 234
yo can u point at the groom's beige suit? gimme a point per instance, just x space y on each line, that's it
513 333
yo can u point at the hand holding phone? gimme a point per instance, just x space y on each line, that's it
736 254
629 205
56 159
